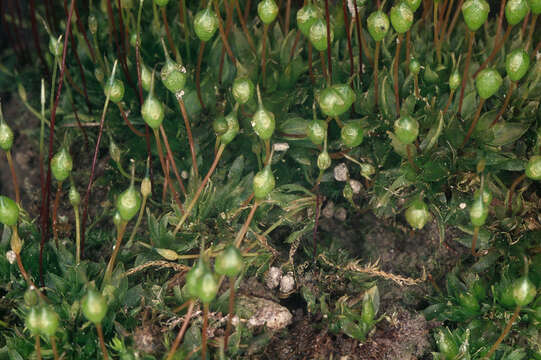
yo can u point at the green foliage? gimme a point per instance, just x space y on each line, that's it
390 146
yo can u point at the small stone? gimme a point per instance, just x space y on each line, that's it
341 172
281 147
355 186
262 312
272 277
11 256
287 283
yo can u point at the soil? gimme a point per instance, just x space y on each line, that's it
403 333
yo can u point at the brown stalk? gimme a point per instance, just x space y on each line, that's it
223 35
85 36
111 264
286 24
102 341
329 60
323 67
55 209
350 49
204 331
446 19
316 220
505 103
263 53
474 252
512 191
396 59
36 36
46 200
503 334
79 65
376 58
198 73
244 27
310 70
189 132
14 177
55 350
180 335
466 68
449 101
359 38
38 347
497 48
408 49
455 18
410 158
168 32
244 229
474 123
165 172
231 310
200 189
172 160
295 43
530 33
128 122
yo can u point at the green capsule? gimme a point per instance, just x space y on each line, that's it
146 77
414 66
229 262
263 183
74 196
515 11
263 123
161 2
324 161
207 287
475 13
56 46
152 111
417 214
336 99
9 211
524 291
378 25
243 89
267 11
232 128
307 16
30 297
205 24
61 165
414 4
488 82
487 195
478 212
352 134
94 306
33 321
455 80
317 131
517 64
406 129
48 321
193 276
219 125
533 168
6 136
115 90
173 76
128 203
401 17
318 35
